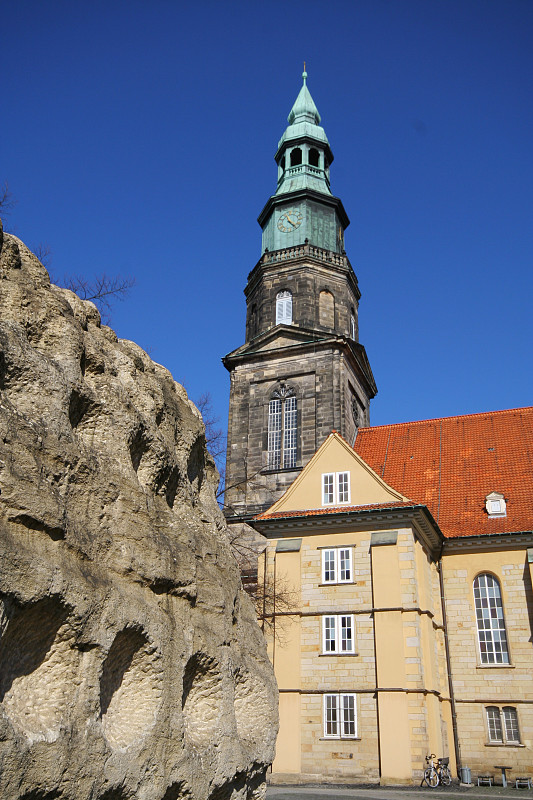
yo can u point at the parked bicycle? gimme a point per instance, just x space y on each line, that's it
437 772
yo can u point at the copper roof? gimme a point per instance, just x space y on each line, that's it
451 465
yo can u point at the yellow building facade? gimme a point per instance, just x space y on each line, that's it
394 634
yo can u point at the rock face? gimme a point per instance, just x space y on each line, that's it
131 664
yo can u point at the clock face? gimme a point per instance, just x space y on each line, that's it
290 220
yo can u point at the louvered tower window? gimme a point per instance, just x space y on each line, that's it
284 308
282 429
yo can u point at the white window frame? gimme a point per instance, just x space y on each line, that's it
340 715
493 644
338 634
282 429
284 308
502 725
496 505
336 488
337 565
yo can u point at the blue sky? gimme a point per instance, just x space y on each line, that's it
138 138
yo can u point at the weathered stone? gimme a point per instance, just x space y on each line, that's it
131 664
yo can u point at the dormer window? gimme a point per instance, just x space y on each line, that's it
495 505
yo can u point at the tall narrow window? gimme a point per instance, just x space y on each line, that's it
492 635
340 717
314 157
326 309
282 429
510 722
284 308
353 329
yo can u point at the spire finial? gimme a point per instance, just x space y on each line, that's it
304 75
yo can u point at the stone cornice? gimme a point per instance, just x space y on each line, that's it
302 194
418 516
461 544
304 341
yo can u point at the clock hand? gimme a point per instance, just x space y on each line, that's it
290 220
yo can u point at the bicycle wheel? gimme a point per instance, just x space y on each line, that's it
431 777
445 776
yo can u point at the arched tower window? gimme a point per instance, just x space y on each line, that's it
353 329
492 636
314 157
284 308
296 157
282 428
326 309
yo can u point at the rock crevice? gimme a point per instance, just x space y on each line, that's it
131 664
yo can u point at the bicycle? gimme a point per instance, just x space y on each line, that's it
431 776
443 769
437 773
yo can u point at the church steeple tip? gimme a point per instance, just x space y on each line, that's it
304 108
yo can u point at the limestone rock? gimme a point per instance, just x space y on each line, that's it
131 664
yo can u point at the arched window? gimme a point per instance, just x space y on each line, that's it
353 329
491 632
326 309
502 725
296 157
282 429
314 157
284 308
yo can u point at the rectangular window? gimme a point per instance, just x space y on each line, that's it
289 433
338 633
335 488
510 720
502 725
494 724
340 717
327 489
274 433
337 565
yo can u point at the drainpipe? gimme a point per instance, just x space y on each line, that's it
375 662
449 669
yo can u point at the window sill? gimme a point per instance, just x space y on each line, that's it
504 744
337 583
336 655
274 470
340 739
495 666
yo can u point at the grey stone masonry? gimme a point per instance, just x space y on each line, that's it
316 357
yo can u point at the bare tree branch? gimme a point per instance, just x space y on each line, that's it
102 290
43 252
215 436
7 201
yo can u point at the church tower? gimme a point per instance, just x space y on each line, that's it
301 372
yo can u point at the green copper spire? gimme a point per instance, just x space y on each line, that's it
304 108
304 154
303 209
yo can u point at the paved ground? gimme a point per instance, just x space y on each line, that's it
344 792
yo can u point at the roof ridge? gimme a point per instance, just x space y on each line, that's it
441 419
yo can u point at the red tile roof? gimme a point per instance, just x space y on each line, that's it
452 464
314 512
